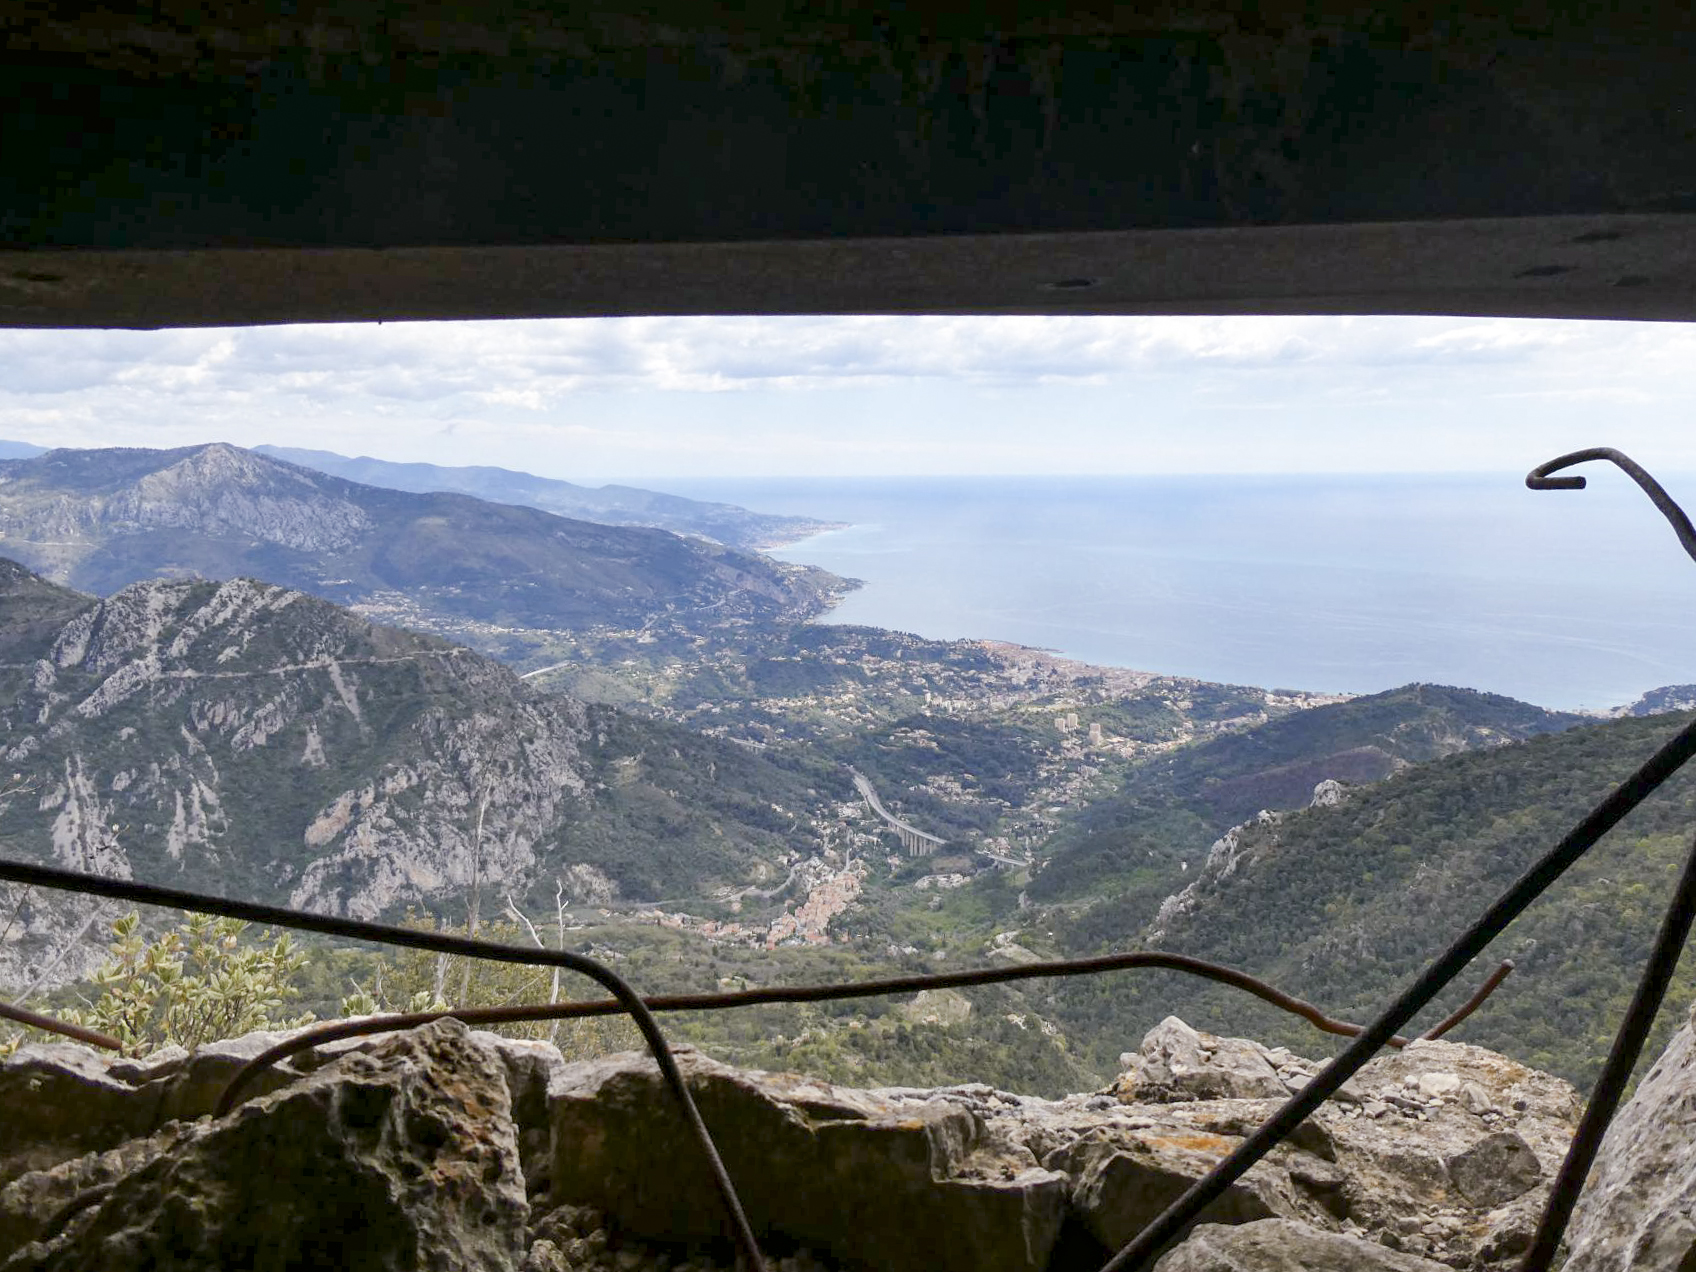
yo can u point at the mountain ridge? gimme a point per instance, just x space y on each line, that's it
1193 795
100 520
610 504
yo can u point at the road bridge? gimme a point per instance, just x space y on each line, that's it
1014 863
918 843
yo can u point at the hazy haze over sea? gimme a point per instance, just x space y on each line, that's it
1341 583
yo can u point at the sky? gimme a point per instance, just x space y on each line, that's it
651 398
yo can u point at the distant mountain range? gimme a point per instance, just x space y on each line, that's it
98 520
606 505
252 740
609 505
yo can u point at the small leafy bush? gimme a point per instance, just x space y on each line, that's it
195 983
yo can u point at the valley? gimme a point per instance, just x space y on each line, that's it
651 754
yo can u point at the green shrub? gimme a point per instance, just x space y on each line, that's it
196 983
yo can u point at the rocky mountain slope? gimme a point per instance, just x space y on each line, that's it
609 505
248 738
101 519
451 1149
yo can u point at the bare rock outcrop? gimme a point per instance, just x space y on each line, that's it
445 1148
1180 1063
400 1157
881 1179
1278 1245
1638 1209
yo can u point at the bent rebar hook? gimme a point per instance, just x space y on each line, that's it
1539 479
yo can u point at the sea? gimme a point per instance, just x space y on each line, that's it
1577 600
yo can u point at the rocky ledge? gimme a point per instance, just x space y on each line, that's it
449 1149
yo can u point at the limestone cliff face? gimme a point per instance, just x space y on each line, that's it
172 725
1638 1210
482 787
247 738
220 490
212 490
1224 857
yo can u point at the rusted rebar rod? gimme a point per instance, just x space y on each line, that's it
1503 970
1539 479
339 1030
1610 1087
35 1020
1663 958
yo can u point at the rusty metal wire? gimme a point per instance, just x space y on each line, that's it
440 943
1503 970
336 1031
1657 975
35 1020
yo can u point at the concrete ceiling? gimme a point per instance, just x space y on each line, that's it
181 164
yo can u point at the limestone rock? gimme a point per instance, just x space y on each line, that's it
937 1007
1417 1161
1413 1147
115 1100
1327 794
1638 1209
62 1101
188 1085
1507 1232
402 1158
577 1239
1280 1245
1120 1182
1406 1158
1180 1063
35 1205
1495 1170
531 1067
1438 1084
868 1179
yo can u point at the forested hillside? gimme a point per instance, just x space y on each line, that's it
1121 855
1343 904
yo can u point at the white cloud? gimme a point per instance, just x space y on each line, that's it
868 394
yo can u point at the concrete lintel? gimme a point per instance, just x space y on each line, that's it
1596 266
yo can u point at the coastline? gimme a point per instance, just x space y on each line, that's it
772 543
1333 585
